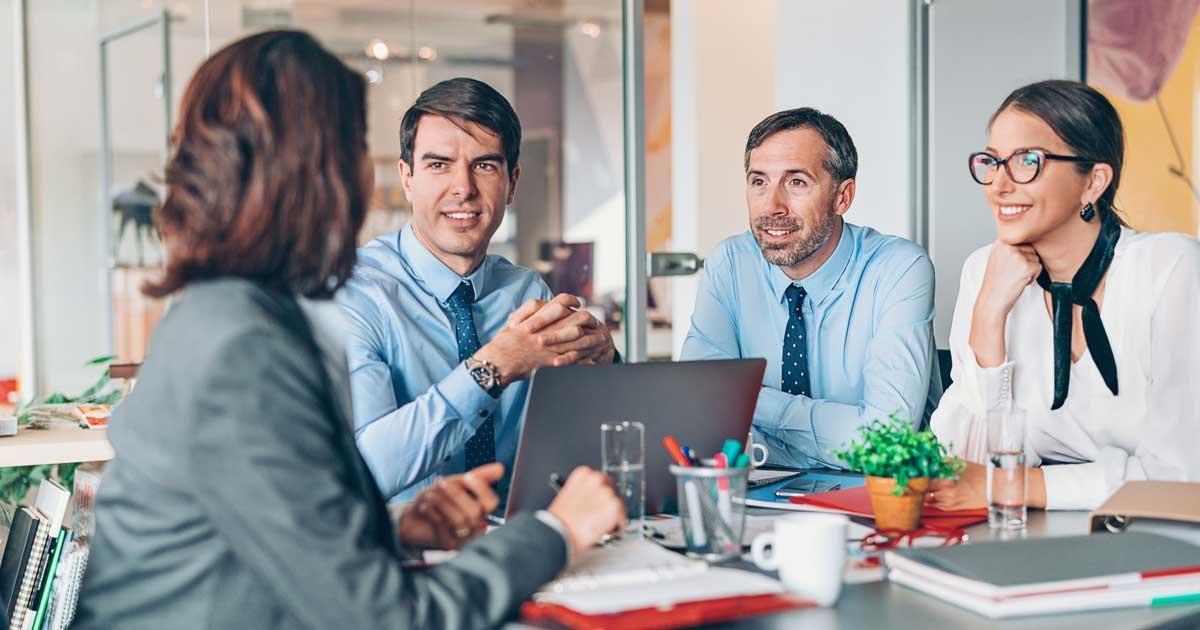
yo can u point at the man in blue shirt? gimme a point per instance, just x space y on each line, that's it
441 336
843 314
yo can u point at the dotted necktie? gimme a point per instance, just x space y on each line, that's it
481 448
795 350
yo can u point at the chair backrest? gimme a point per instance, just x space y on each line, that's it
944 365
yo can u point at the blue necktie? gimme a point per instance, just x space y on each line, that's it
795 349
481 448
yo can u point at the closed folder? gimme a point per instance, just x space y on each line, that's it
857 502
1175 502
682 615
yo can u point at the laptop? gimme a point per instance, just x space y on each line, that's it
701 403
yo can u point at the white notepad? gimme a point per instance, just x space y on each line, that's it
637 573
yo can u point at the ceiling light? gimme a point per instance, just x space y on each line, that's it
591 29
376 49
428 53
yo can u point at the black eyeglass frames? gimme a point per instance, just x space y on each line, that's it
1022 166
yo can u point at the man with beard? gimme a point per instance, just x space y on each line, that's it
842 313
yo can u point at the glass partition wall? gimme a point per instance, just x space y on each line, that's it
105 81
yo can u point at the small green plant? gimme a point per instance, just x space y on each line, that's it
894 449
16 481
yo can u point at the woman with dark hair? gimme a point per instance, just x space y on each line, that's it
237 498
1085 325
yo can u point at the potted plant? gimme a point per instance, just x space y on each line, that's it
899 464
16 481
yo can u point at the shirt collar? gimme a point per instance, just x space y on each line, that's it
437 277
818 284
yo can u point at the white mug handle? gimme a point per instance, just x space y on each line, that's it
758 551
754 449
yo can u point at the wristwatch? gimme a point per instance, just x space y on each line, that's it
486 374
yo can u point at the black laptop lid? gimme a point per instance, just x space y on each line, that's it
701 403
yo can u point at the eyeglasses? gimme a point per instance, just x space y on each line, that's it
928 536
1023 166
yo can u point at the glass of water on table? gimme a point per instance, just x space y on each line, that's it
1007 475
623 457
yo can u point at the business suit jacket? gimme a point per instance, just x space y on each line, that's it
238 498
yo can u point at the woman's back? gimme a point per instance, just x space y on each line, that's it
228 363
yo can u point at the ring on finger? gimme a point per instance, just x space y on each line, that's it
462 532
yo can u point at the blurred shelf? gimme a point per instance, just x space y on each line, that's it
59 446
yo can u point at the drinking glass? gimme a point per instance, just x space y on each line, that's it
623 457
1007 488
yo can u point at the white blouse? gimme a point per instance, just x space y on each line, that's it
1151 430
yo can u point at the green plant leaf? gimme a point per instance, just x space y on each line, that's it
893 449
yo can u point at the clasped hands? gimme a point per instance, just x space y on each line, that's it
547 333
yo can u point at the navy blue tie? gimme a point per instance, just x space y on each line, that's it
481 448
795 349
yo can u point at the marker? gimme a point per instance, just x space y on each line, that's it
731 449
691 455
699 538
724 503
743 461
675 452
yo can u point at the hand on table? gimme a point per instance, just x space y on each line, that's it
588 508
967 492
452 511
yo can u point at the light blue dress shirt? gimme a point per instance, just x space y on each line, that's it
868 319
415 405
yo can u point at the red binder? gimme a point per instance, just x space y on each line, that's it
682 615
856 502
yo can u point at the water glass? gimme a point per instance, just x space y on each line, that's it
1007 476
623 457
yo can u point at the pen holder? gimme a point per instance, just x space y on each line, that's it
712 509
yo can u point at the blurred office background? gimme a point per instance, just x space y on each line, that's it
90 89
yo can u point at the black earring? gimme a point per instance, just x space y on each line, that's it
1088 213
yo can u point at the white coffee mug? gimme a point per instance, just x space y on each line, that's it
809 551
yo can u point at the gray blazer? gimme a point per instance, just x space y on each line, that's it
237 498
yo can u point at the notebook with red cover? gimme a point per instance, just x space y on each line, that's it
681 615
857 502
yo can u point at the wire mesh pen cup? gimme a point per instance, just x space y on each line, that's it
712 509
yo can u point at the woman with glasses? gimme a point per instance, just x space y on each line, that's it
1083 324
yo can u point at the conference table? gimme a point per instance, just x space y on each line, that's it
886 605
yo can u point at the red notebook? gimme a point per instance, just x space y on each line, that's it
856 502
682 615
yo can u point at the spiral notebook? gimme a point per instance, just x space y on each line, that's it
634 574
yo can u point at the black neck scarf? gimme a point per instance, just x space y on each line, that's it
1079 291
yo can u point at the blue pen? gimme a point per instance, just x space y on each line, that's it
689 453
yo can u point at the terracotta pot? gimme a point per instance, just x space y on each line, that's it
897 512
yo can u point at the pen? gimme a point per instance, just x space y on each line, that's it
675 452
724 502
555 481
690 453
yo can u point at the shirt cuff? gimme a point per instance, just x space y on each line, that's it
551 521
467 398
1085 486
996 386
